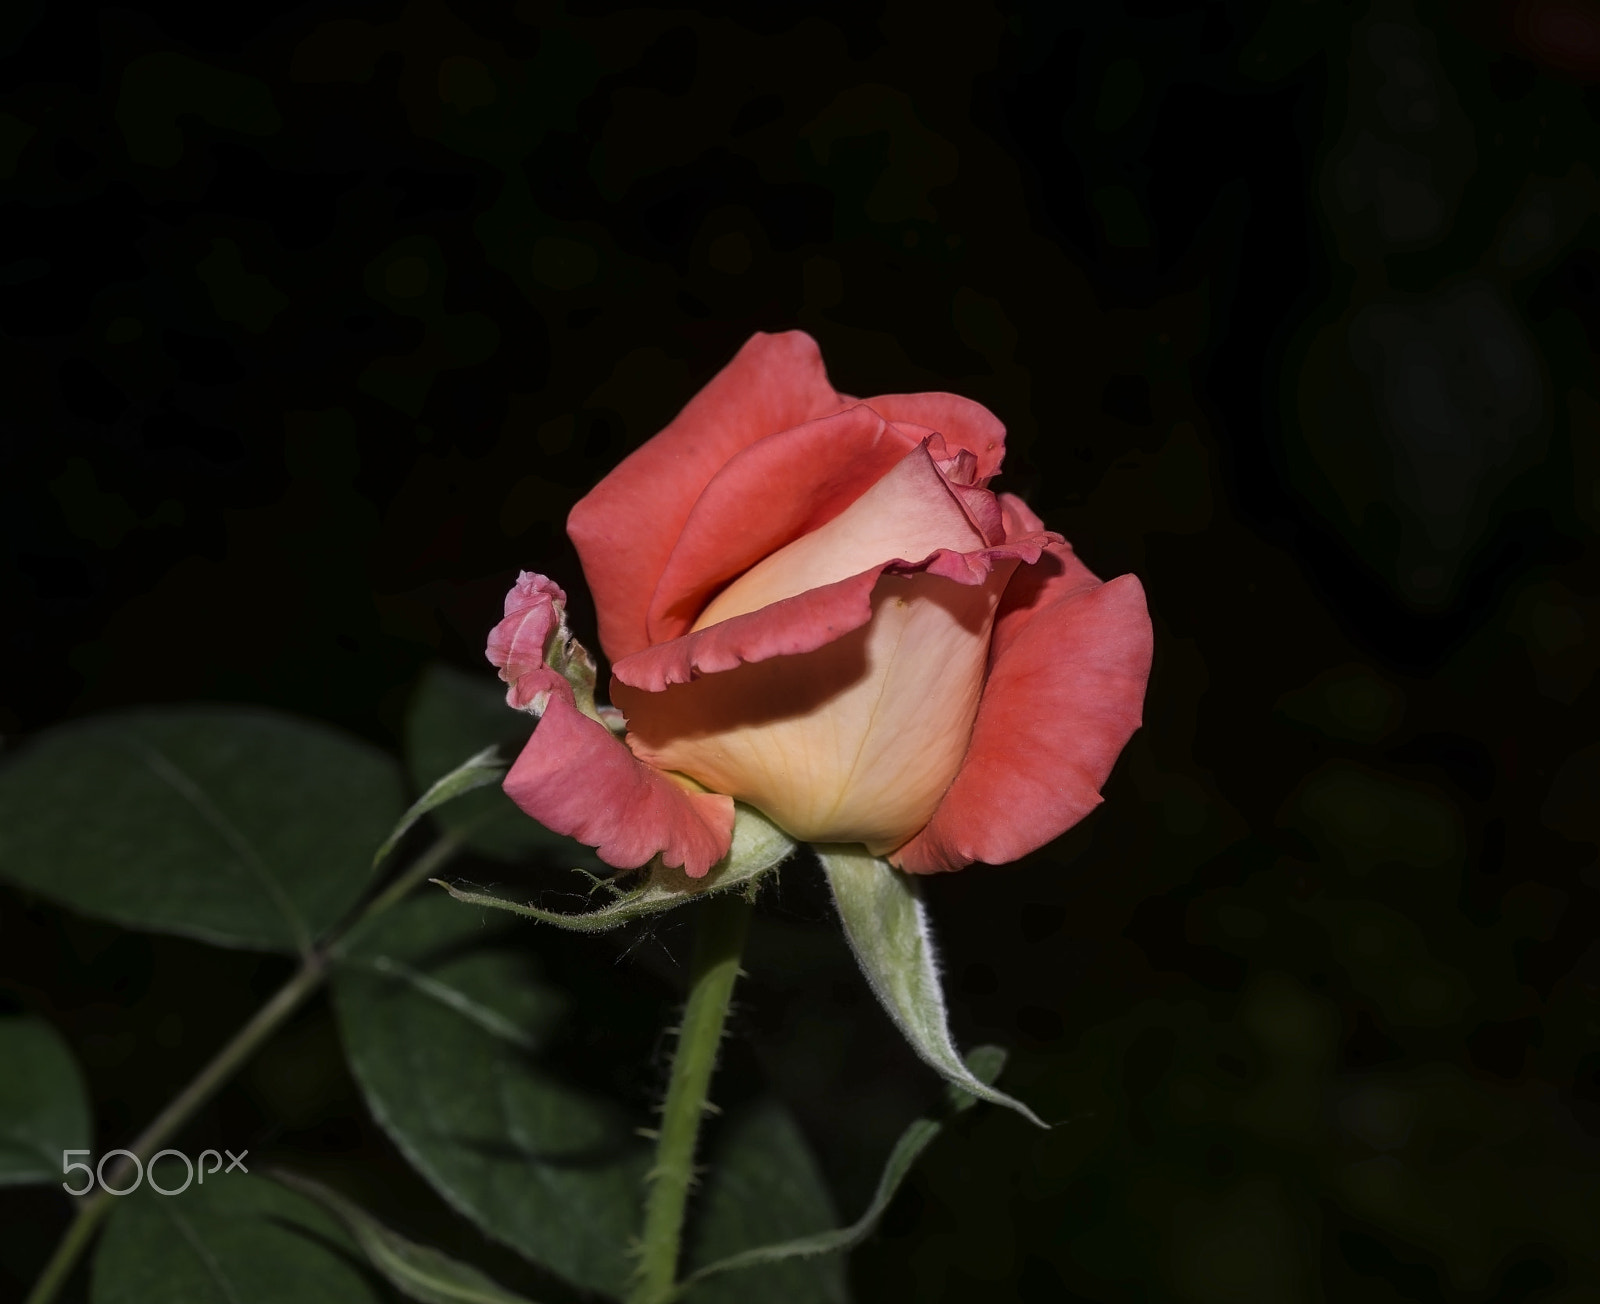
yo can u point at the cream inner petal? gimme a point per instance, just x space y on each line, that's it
855 742
909 514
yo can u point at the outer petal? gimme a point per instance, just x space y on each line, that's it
778 489
575 778
1070 659
963 423
625 528
1039 587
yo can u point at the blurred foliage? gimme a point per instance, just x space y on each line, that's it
318 320
242 828
244 1240
42 1102
453 1045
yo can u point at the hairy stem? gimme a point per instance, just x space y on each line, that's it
724 920
311 974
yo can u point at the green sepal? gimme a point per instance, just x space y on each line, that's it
758 846
570 659
887 927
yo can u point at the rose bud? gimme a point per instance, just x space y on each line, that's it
534 649
815 605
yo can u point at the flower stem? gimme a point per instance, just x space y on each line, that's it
311 974
724 920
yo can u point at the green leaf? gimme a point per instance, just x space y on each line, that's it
235 826
985 1062
473 773
233 1240
416 1271
445 1022
758 846
764 1186
887 928
44 1109
453 715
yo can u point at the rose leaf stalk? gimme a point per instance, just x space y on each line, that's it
305 981
724 921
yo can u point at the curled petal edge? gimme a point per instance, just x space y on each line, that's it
824 466
808 620
964 423
625 528
534 650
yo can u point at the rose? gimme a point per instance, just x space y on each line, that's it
815 605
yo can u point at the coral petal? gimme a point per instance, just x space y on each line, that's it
963 423
1069 664
1037 588
799 624
625 528
575 778
778 489
909 514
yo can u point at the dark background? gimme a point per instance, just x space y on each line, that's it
318 320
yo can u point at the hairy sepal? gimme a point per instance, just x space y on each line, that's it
887 927
759 846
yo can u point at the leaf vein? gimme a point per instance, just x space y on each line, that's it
207 1260
165 769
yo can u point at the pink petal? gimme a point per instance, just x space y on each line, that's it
960 471
517 643
799 624
626 527
963 423
577 779
778 489
1070 659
